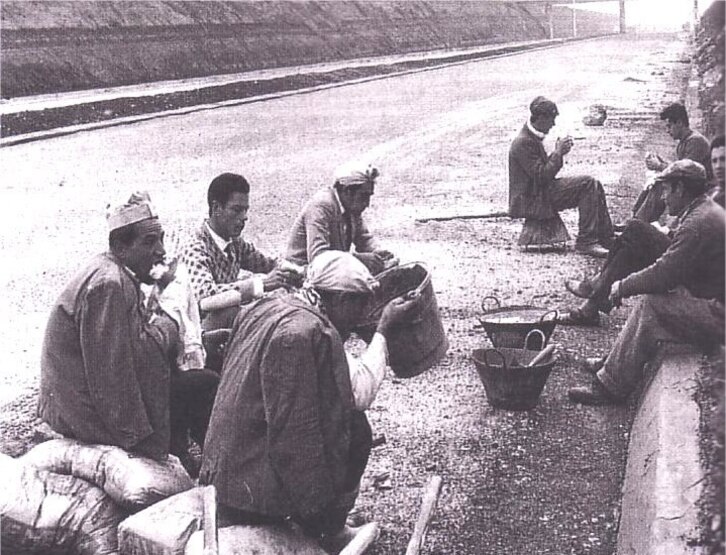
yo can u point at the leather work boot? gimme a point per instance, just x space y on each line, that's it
592 365
576 317
594 394
580 287
595 249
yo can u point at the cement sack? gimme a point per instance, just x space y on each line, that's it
132 481
43 513
257 540
165 527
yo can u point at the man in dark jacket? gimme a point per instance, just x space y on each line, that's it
107 366
683 290
288 436
535 191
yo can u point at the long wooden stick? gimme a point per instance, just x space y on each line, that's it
362 540
499 214
430 498
209 523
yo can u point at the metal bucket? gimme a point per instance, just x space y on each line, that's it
508 381
420 343
508 326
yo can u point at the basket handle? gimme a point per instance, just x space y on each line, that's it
555 317
490 298
498 352
542 337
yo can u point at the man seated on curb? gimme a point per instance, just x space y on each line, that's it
107 365
333 220
683 290
718 167
691 146
288 435
220 262
638 247
535 191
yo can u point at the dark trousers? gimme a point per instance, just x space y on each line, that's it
587 195
331 519
637 248
190 405
649 206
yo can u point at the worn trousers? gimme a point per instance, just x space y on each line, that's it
190 406
587 195
332 518
675 317
638 247
649 206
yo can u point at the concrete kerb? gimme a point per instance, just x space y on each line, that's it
59 132
664 475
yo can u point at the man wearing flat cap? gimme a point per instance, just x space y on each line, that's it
333 220
535 191
288 436
682 291
107 366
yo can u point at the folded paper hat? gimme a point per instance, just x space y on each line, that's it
137 209
355 173
340 271
688 170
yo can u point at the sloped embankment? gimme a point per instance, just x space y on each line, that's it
56 46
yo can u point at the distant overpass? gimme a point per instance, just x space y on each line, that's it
568 4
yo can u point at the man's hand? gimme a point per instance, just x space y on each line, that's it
388 258
616 297
654 162
397 312
279 277
563 146
372 260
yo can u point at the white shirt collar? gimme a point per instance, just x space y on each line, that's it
534 131
337 198
222 244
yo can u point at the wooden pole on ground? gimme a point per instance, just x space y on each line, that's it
428 505
500 214
362 540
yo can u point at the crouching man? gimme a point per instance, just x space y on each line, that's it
683 290
288 437
108 371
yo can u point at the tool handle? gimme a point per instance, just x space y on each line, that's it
209 523
428 505
543 354
362 540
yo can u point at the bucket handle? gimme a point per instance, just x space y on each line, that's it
490 298
543 339
498 352
555 317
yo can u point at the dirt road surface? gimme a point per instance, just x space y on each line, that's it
543 481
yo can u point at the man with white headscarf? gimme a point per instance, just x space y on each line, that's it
288 437
332 220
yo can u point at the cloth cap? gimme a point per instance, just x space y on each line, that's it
355 173
688 170
339 271
543 106
137 209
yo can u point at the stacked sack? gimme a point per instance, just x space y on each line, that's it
69 497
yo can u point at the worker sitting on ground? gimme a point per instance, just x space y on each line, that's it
536 193
333 220
691 146
638 247
107 369
221 264
288 436
683 290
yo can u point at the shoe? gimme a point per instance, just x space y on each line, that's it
577 317
592 365
594 394
580 287
594 249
